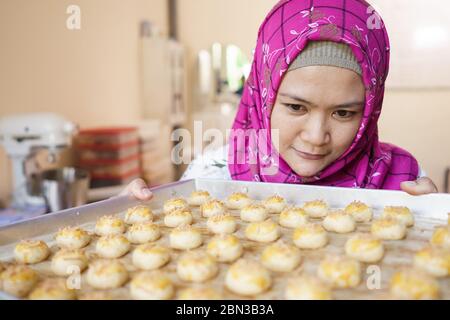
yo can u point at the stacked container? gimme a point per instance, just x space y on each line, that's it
111 155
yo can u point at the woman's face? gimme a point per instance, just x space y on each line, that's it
318 112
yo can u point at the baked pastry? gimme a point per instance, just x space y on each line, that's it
31 251
18 280
225 248
360 211
175 204
441 237
316 209
433 260
238 201
413 284
293 217
196 266
339 222
222 224
254 213
109 225
72 238
198 198
143 232
150 257
106 274
388 229
111 247
199 293
66 262
306 287
310 236
265 231
138 214
151 285
365 248
95 296
281 257
185 238
248 278
402 214
52 289
178 218
340 272
275 204
212 208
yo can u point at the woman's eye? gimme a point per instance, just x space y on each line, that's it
295 107
344 114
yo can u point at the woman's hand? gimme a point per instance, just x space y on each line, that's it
419 187
138 189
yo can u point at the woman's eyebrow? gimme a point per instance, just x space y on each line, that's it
302 100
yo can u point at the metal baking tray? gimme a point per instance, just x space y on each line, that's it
430 211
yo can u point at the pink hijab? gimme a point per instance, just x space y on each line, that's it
368 163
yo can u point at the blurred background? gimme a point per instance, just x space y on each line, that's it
127 73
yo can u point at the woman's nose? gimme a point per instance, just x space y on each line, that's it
315 132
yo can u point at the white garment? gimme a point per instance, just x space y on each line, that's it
213 164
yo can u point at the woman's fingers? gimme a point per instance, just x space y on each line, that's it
138 189
419 187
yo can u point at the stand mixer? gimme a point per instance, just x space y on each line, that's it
23 136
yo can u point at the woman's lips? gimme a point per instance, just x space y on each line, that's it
308 156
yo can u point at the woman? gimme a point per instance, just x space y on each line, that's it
310 107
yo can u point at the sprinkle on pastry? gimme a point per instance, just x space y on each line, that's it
254 213
109 225
174 204
275 204
339 222
151 285
248 278
150 257
441 237
18 280
212 208
413 284
316 209
178 218
340 272
72 238
360 211
365 248
31 251
433 260
52 289
143 232
196 266
198 198
281 257
138 214
388 229
266 231
66 262
293 217
402 214
199 293
106 274
310 236
111 247
225 248
222 224
238 201
185 238
306 287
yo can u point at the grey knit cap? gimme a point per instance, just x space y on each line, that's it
327 53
